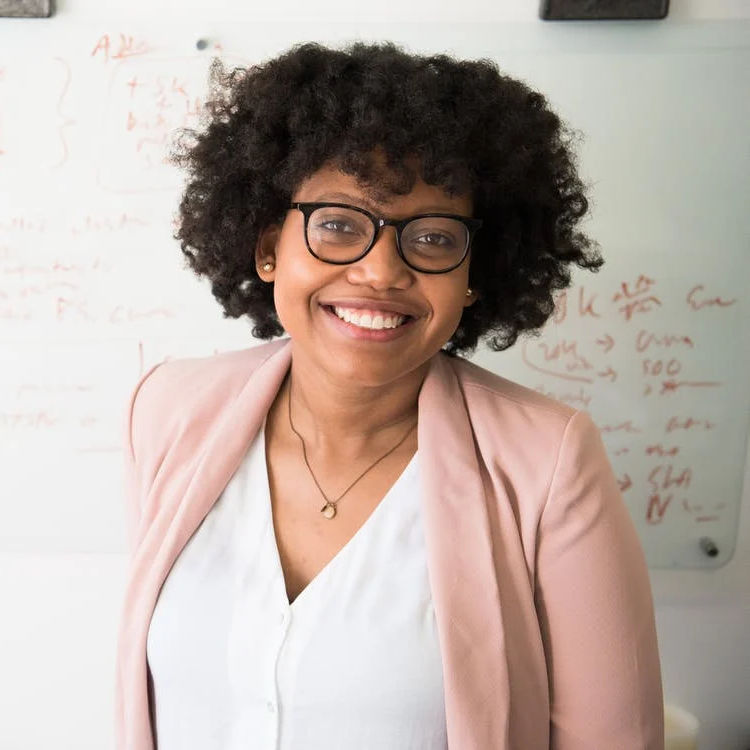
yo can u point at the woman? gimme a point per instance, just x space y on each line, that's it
353 537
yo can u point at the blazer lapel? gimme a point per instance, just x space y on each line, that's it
227 446
224 449
461 567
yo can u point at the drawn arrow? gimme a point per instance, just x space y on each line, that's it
608 373
625 483
607 342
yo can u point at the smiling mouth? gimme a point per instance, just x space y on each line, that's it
370 320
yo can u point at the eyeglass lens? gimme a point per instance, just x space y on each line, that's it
430 243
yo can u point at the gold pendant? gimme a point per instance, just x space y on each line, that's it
328 510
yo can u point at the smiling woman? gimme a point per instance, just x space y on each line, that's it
371 270
354 537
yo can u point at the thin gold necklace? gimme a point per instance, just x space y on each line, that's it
329 509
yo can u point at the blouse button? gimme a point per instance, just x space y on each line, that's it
271 706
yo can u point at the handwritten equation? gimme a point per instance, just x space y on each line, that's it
638 356
661 366
70 396
71 275
148 101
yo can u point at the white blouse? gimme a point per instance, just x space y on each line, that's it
353 662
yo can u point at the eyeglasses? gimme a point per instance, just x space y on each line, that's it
430 243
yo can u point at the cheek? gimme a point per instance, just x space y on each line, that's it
292 273
289 295
451 305
298 283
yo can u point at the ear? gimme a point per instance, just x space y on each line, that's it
471 299
265 251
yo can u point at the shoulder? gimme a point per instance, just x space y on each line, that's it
521 425
529 441
177 394
226 373
482 387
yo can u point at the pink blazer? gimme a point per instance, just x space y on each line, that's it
541 591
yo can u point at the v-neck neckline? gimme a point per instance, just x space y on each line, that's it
371 520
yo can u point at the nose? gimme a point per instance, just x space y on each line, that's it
382 267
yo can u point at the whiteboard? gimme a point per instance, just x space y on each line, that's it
93 288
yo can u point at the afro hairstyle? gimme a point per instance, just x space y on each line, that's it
468 127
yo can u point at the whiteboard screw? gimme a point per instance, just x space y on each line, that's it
708 546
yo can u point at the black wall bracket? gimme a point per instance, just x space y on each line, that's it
26 8
602 10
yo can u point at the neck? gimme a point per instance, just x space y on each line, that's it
346 420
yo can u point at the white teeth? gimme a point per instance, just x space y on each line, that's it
367 321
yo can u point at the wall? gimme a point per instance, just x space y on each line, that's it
61 608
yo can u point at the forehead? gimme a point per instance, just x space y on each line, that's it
329 183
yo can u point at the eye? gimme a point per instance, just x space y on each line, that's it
435 238
335 225
434 234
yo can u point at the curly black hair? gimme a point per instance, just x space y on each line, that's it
470 128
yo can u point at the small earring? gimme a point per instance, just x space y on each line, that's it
469 292
268 267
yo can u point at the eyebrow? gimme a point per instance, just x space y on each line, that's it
364 203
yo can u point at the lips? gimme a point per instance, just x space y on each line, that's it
373 313
358 317
355 332
386 306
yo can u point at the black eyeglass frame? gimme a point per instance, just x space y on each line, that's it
378 222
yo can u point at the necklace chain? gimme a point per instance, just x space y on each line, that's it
329 509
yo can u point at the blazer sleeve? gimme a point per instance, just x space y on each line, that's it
595 607
135 427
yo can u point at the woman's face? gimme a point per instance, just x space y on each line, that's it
305 287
